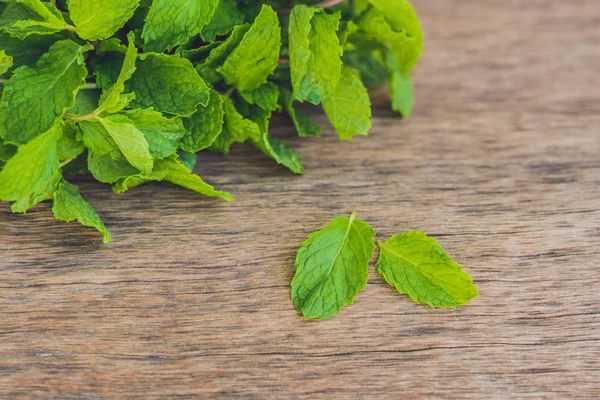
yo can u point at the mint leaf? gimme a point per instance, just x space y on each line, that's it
315 53
162 134
171 23
349 106
226 17
401 87
418 266
6 62
100 19
70 206
27 17
35 97
255 58
113 100
394 23
332 267
167 83
29 176
172 170
265 96
107 168
204 126
218 55
188 159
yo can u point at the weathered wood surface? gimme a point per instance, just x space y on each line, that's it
501 163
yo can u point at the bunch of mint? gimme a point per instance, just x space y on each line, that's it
130 90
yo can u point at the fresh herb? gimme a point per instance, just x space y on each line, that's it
129 90
332 267
417 265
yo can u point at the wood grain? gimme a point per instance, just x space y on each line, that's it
501 163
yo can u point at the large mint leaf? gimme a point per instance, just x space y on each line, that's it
256 57
35 97
171 23
172 170
226 17
315 53
100 19
167 83
113 99
418 266
28 17
332 266
69 206
162 134
349 106
30 175
204 126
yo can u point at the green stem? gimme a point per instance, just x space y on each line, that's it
78 118
90 85
3 81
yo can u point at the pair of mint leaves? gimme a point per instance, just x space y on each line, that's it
332 267
128 91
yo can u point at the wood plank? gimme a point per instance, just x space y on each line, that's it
500 163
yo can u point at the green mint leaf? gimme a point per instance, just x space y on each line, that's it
29 50
401 87
218 55
35 97
172 170
100 19
69 145
395 24
255 58
332 266
305 126
315 53
6 62
113 100
27 17
69 206
171 23
418 266
204 126
226 17
30 175
167 83
349 106
120 131
7 151
162 134
266 96
108 169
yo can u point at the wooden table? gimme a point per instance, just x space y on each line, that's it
501 163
